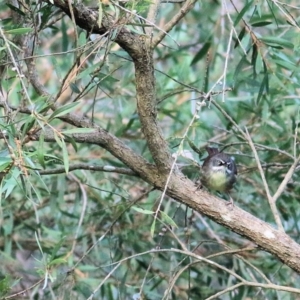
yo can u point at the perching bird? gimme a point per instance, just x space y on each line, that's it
219 171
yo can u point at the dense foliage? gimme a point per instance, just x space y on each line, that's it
76 222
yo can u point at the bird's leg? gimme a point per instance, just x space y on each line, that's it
230 203
198 184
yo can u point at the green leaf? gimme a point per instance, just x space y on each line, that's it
240 37
57 261
45 13
12 182
194 147
272 12
65 156
52 159
4 166
63 110
242 12
253 59
41 151
265 112
42 104
100 13
259 64
4 286
30 122
239 68
262 87
258 9
201 53
274 41
107 78
168 219
261 23
143 211
58 140
65 37
5 162
15 9
267 76
152 229
18 31
74 88
86 72
82 39
71 140
79 130
57 247
286 65
38 242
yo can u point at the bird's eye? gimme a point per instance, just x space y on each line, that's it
221 163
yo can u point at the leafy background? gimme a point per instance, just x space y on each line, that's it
49 221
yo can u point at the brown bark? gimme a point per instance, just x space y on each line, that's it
181 189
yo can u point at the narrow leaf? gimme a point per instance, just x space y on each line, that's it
100 13
168 219
240 37
18 31
57 261
16 9
277 41
74 88
253 59
41 152
262 88
65 156
152 229
201 53
242 12
58 140
287 65
261 23
143 211
63 110
78 130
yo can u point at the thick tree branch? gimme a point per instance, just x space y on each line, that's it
179 188
146 106
265 236
117 148
183 190
102 138
87 18
139 49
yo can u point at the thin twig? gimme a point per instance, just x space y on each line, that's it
110 227
151 16
200 259
288 16
285 180
83 210
226 64
24 291
262 174
170 25
16 67
174 162
140 17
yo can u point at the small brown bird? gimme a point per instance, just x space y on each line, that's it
219 171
